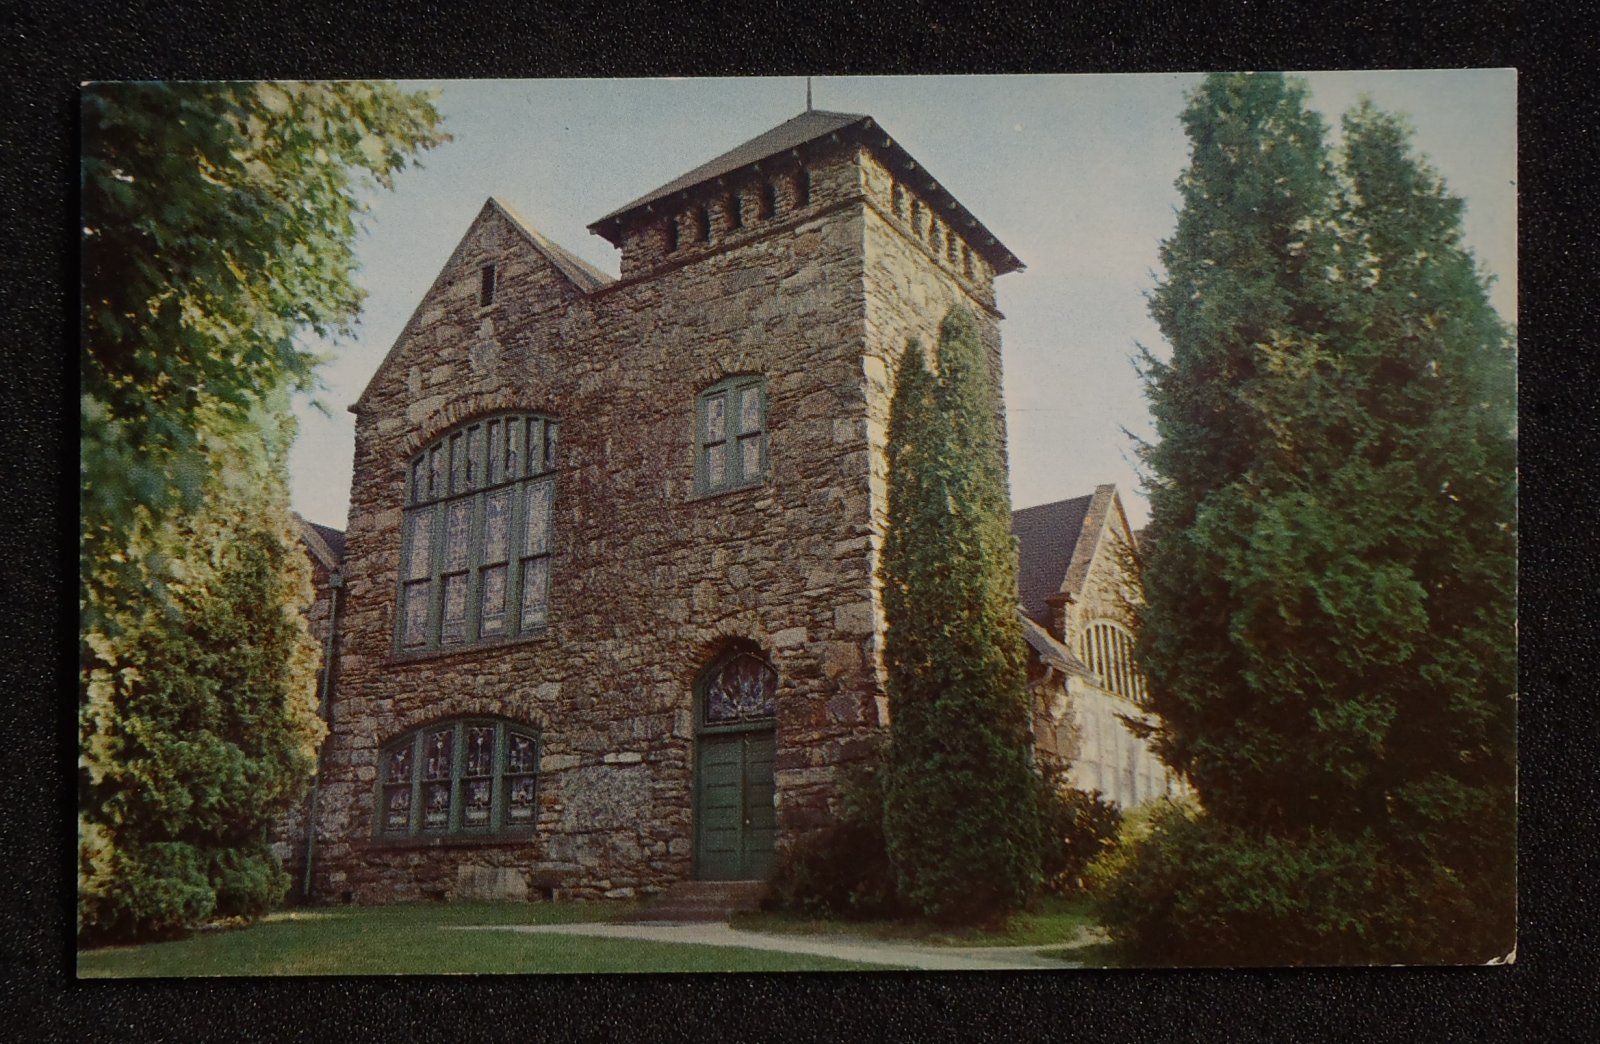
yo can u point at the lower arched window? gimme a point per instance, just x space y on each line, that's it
466 776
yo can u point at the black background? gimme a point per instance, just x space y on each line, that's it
52 47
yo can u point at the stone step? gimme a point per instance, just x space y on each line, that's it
702 901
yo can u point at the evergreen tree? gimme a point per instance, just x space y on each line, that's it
1328 625
218 225
199 722
960 818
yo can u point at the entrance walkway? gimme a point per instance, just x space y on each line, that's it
864 951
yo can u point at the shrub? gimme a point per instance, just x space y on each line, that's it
1183 888
842 870
1076 826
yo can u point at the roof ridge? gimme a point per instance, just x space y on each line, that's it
575 268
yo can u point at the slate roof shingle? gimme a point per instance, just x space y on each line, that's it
1047 533
808 127
334 538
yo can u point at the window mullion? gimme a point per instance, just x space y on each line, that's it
475 566
416 784
458 757
497 795
436 574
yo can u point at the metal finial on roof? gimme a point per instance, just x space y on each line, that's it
808 94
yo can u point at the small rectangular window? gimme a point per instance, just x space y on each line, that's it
731 427
769 200
735 211
702 220
486 286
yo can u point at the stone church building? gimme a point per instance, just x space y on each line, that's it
606 616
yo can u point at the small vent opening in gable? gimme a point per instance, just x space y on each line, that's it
486 286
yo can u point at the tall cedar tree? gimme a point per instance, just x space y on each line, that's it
199 722
218 226
960 820
1328 625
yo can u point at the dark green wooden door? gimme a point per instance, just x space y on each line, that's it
735 826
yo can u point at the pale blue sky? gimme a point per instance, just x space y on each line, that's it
1073 173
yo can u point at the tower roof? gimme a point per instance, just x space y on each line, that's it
805 130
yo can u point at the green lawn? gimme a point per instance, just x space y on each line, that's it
1052 920
415 938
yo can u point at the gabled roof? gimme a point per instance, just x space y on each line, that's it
579 272
325 542
1047 534
801 131
583 276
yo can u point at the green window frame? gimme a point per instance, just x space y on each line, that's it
731 435
459 777
478 534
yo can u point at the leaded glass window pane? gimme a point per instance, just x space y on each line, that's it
744 688
419 481
437 754
477 777
749 409
438 465
519 805
535 592
535 446
497 452
396 810
520 757
416 612
716 418
536 519
480 750
496 525
493 600
750 456
716 465
458 463
550 445
474 457
521 761
419 544
457 535
455 608
515 431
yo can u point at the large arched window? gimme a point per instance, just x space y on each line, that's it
731 435
468 776
475 565
1106 648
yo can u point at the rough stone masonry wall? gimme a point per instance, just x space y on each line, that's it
646 579
909 288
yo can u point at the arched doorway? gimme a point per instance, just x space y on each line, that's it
734 822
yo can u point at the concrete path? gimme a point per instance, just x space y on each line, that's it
860 950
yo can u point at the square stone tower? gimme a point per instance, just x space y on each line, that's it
611 617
